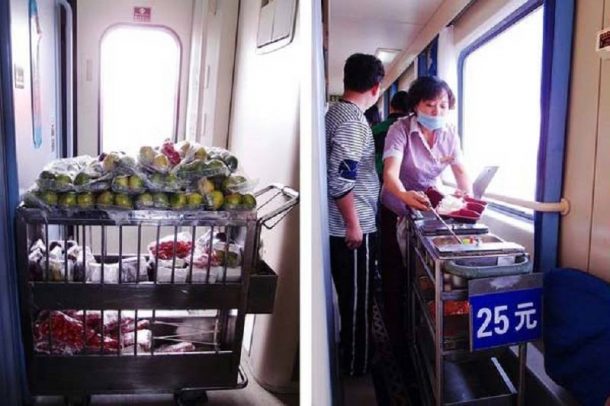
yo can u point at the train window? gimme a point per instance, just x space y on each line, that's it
139 85
500 81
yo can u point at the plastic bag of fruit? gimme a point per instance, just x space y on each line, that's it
166 249
159 160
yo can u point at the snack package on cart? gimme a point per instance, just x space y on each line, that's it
166 249
184 346
57 333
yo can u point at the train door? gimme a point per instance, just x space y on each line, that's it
132 73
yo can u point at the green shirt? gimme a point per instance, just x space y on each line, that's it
379 133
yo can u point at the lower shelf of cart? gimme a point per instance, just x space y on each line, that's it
479 379
79 375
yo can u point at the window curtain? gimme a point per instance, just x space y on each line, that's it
427 59
556 62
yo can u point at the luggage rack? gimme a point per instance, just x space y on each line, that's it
103 291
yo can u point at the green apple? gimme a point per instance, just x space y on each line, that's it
194 200
214 200
67 200
160 200
105 198
157 179
232 201
124 201
121 182
171 181
82 179
135 183
177 201
85 200
49 197
145 200
62 181
201 153
47 175
248 202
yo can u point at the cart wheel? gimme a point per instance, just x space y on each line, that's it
190 398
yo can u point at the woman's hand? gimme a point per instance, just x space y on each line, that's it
416 200
353 235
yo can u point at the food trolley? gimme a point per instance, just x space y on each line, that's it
115 315
443 277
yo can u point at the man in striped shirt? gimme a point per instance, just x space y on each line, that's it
353 188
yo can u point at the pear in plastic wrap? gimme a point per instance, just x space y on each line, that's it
123 201
85 200
67 200
194 200
49 197
232 201
105 198
248 202
214 200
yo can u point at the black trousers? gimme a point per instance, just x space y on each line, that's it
393 280
353 272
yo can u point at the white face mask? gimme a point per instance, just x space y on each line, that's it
431 122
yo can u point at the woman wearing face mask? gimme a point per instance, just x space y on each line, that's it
417 149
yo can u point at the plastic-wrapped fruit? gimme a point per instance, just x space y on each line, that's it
177 201
205 186
135 183
145 200
215 164
194 200
147 155
214 200
62 180
201 153
232 201
124 201
82 179
105 198
232 182
183 148
160 200
67 200
160 162
157 179
110 161
171 181
85 200
122 182
49 197
47 175
231 161
248 202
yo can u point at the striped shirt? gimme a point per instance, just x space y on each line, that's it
350 150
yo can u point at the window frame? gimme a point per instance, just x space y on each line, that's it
513 18
174 35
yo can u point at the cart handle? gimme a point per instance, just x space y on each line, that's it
242 380
292 199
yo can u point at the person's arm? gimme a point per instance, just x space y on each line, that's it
343 163
391 181
353 232
393 152
461 178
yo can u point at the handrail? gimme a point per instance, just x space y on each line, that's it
563 206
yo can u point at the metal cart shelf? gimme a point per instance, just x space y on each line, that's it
123 331
449 372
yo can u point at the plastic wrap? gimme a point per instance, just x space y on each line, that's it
185 346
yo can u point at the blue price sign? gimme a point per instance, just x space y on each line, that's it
505 316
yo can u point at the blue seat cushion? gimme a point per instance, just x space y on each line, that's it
577 333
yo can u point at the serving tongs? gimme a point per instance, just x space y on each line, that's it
444 223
